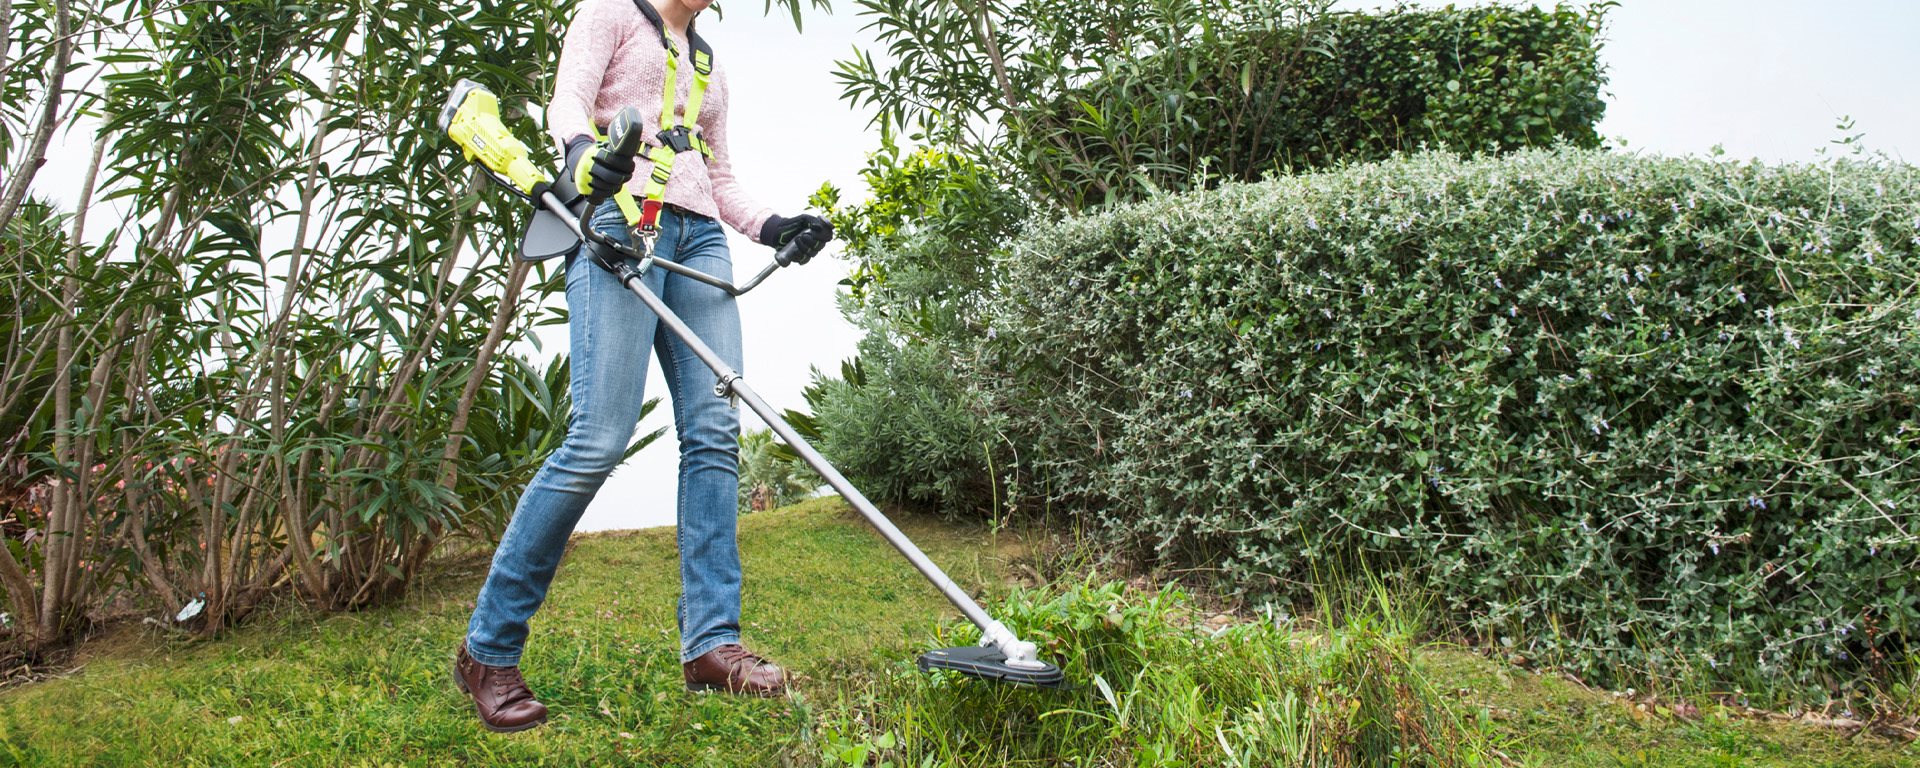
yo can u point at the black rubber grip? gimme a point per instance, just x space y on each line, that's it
785 255
625 136
612 170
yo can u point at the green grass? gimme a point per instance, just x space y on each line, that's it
1549 721
374 688
828 599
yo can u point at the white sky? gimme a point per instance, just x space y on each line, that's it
1765 79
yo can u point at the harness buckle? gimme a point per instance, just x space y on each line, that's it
679 138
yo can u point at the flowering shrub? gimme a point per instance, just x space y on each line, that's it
1619 413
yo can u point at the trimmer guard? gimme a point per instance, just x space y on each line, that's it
990 664
548 235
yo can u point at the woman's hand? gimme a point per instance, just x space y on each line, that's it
814 230
596 172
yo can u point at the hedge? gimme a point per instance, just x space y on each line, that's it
1642 418
1346 86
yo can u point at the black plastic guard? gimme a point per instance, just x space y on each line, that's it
548 235
989 664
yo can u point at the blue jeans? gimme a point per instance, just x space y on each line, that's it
611 333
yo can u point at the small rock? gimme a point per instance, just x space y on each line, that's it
235 720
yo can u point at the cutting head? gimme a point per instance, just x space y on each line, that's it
990 664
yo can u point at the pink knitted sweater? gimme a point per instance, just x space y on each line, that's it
613 58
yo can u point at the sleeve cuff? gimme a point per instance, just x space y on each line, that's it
754 223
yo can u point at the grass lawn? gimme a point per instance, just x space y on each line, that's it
1550 721
824 596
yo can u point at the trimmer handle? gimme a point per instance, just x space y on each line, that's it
625 137
787 252
803 246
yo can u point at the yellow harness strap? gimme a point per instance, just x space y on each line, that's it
663 154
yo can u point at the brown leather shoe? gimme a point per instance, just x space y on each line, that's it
499 694
734 669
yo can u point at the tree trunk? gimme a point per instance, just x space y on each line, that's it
482 365
293 510
60 563
63 451
16 186
456 432
6 31
20 593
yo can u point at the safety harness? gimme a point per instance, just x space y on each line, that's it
674 137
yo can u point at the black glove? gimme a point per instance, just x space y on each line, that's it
607 174
813 232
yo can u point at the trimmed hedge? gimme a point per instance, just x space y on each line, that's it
1620 413
1344 87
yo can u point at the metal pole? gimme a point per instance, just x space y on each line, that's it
715 281
1018 653
731 384
559 209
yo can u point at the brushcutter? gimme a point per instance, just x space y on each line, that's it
471 118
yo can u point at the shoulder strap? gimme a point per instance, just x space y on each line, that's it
653 17
660 26
663 154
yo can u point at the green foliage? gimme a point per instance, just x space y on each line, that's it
269 356
1218 94
899 422
1482 78
1161 688
922 243
770 474
32 247
277 344
905 428
1647 419
1083 104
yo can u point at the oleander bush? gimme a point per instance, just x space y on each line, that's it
1621 414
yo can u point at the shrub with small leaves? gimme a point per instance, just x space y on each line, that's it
1622 414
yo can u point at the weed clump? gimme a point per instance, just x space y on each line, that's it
1157 686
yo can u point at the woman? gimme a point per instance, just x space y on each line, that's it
616 55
